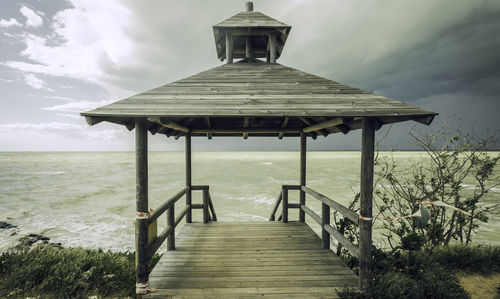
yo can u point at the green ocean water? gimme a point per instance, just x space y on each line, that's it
87 199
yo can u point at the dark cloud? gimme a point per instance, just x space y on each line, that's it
443 56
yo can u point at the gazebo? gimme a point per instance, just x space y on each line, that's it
254 96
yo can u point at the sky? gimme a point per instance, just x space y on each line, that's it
62 57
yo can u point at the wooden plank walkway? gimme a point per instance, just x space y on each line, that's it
248 260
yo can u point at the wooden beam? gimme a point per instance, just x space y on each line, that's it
93 120
156 129
246 123
325 220
206 214
229 47
353 249
346 212
283 125
166 205
141 177
311 214
302 194
272 48
130 125
170 125
249 47
366 196
186 124
171 223
237 131
323 125
284 206
275 208
188 178
209 126
307 122
158 241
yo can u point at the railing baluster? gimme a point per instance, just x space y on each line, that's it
325 220
284 203
205 206
171 223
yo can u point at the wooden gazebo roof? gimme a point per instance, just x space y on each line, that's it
257 98
251 23
252 97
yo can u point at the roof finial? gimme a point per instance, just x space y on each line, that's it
249 6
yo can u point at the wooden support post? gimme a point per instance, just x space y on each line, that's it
189 217
284 205
325 220
141 227
171 223
366 192
249 47
246 124
206 216
229 47
272 48
302 194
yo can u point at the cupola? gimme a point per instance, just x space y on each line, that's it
250 35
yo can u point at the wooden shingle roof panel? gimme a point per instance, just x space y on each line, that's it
251 19
256 89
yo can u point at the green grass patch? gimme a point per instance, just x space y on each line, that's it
424 274
67 272
482 259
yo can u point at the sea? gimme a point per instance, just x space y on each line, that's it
87 199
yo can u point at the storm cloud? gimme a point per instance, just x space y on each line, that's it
443 56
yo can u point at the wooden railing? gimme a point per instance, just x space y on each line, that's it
169 206
327 230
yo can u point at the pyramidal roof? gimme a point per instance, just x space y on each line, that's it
251 24
255 98
251 19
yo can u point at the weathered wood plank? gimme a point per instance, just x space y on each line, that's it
166 205
311 214
256 89
141 227
247 260
366 194
353 216
189 217
353 249
302 178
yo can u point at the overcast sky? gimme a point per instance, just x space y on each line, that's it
61 57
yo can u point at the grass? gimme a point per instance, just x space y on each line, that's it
53 271
428 275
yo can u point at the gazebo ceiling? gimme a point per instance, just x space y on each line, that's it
253 98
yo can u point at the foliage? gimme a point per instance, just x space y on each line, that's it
67 272
450 163
429 274
477 259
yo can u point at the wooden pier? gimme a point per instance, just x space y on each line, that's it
249 260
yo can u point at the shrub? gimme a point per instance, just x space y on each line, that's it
67 272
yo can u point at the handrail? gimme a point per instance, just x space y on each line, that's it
279 200
353 216
327 230
311 214
169 205
166 205
343 240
